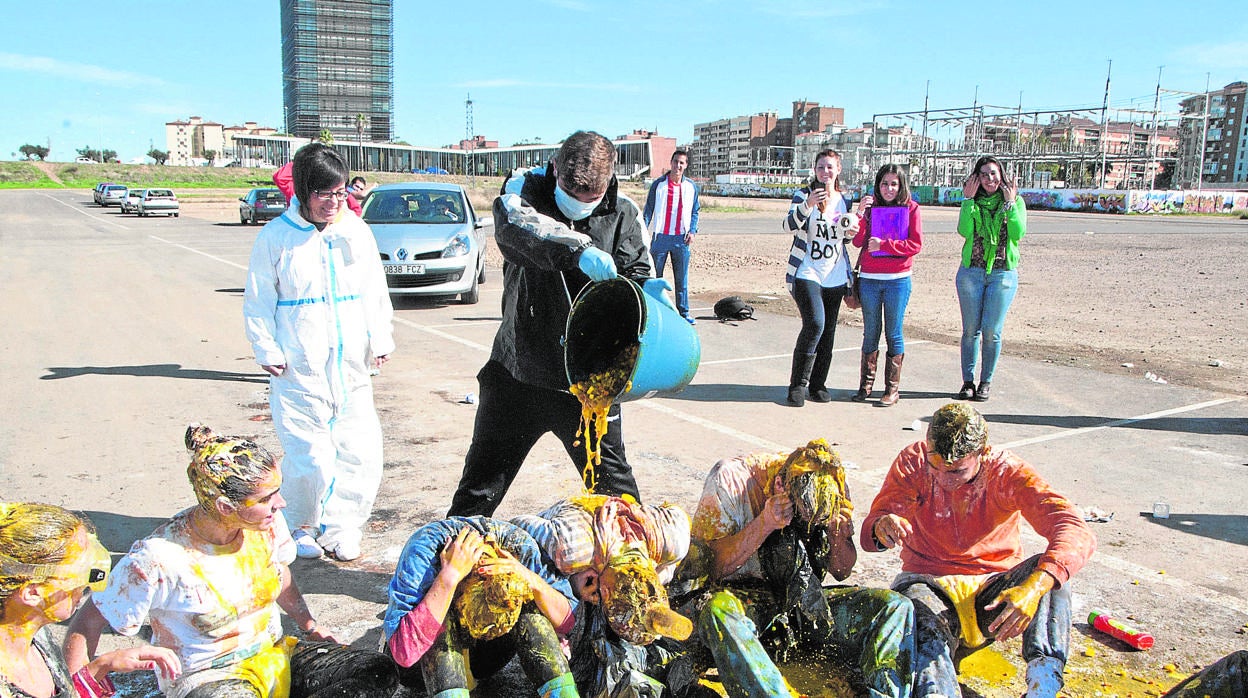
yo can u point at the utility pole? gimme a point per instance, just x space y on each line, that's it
470 143
927 91
1152 162
1204 138
1105 121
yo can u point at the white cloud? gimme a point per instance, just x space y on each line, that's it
72 71
509 82
1229 56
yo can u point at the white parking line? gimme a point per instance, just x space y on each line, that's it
85 213
1120 422
199 252
430 329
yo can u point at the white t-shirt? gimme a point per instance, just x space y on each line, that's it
213 606
826 262
732 497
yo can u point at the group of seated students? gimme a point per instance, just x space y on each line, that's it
594 596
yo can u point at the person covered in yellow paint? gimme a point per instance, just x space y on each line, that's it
776 524
211 581
469 594
617 556
954 506
49 560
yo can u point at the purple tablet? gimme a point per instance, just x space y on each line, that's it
889 223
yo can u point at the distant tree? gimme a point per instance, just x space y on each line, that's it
326 137
360 122
90 153
111 156
160 156
34 151
211 156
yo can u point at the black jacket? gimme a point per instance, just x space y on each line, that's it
541 247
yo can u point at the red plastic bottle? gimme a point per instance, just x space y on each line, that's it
1138 639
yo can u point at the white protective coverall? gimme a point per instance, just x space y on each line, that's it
317 302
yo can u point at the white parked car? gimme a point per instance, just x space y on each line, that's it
430 239
130 204
113 194
155 201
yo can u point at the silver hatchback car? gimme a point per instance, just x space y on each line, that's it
430 239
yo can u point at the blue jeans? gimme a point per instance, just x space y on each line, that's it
984 299
937 630
884 304
660 248
873 628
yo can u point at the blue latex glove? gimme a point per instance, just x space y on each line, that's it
597 265
657 289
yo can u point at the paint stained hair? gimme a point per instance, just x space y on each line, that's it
903 192
34 534
828 153
585 162
957 431
225 466
317 167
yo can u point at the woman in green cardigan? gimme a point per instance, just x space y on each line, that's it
993 220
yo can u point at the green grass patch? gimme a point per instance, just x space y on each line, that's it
14 175
716 208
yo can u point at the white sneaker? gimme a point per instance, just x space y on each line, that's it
306 546
345 551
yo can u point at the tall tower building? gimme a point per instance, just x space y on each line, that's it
337 62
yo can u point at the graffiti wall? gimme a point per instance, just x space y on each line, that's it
1088 200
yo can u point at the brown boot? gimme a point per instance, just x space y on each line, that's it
866 376
892 378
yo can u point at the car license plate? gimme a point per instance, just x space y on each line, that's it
404 268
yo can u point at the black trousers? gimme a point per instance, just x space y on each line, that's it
322 670
511 417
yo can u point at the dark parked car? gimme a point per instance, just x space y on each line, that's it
261 205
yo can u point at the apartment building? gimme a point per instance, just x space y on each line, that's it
758 144
1221 137
189 141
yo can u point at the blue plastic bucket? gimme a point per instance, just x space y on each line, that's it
611 316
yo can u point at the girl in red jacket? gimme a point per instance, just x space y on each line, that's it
891 234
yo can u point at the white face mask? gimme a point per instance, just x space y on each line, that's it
572 207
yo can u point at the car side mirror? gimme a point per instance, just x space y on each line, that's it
242 199
477 225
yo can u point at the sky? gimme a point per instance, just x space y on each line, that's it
84 73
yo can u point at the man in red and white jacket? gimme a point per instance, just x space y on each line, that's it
671 215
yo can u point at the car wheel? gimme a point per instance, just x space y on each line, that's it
472 295
242 219
253 218
175 215
481 276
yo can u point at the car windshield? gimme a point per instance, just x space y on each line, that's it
116 188
159 194
423 206
270 196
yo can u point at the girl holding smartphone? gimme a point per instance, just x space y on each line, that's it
817 276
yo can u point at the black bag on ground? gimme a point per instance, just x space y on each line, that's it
733 308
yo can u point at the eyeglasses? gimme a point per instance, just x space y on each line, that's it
340 194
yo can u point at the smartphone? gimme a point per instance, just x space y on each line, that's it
816 185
